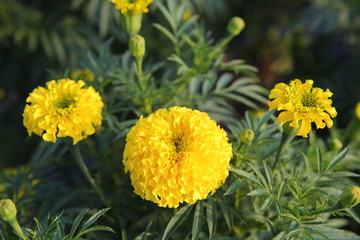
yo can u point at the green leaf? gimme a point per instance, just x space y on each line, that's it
166 32
223 81
176 220
229 218
342 174
197 223
92 219
337 159
233 187
76 223
293 233
319 161
312 230
280 236
257 192
325 231
269 177
247 175
96 228
211 217
268 201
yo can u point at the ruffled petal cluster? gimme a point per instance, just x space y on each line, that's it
301 104
63 109
132 6
176 155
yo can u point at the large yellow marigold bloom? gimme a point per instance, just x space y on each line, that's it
132 6
357 110
176 155
301 104
63 109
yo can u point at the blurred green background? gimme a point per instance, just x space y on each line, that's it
306 39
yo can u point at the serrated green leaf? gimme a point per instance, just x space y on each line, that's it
229 218
166 32
293 233
268 201
176 220
96 228
211 217
257 192
332 232
76 223
319 161
197 222
342 174
223 81
92 219
337 159
233 187
247 175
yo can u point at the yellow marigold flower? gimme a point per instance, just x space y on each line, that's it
176 155
132 6
301 104
357 110
84 74
63 109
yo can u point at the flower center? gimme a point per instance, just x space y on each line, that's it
179 145
308 101
64 103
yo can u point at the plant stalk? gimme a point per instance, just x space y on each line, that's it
80 162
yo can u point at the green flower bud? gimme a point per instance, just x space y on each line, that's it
246 136
7 209
350 197
137 46
235 26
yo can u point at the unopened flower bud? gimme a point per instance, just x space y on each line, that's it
235 26
137 46
7 209
246 136
350 197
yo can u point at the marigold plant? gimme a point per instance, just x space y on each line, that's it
176 155
63 109
301 104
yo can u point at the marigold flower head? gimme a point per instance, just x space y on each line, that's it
132 6
176 155
63 109
357 110
301 104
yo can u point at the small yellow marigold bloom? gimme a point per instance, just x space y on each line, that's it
357 110
63 109
84 74
301 104
176 155
132 6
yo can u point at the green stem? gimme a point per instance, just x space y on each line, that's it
147 103
285 139
336 207
15 225
79 160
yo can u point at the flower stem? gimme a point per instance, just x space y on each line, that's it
15 225
147 103
80 161
285 139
